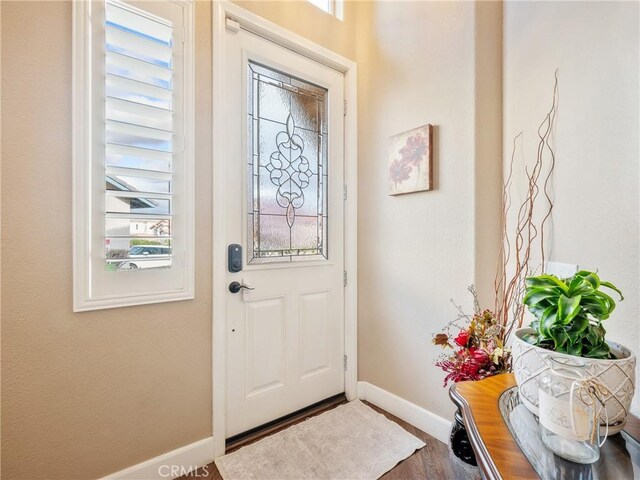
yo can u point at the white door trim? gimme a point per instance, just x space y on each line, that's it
247 20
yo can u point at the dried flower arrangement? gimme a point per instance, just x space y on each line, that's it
479 351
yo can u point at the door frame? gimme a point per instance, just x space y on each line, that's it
249 21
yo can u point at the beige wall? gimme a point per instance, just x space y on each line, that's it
418 66
488 147
309 21
595 47
86 394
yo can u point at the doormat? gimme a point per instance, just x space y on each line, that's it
351 441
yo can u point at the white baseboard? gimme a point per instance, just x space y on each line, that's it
427 421
169 465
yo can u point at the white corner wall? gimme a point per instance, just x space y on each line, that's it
595 47
418 63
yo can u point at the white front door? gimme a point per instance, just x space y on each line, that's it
284 197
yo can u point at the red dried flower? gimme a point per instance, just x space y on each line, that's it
479 355
463 338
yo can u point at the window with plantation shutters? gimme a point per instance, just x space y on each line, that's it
139 139
133 158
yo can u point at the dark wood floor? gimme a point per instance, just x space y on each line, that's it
433 462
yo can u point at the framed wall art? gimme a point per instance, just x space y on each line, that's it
411 161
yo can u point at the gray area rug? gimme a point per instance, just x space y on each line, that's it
351 442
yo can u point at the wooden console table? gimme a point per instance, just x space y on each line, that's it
498 454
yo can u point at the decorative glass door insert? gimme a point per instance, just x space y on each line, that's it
287 167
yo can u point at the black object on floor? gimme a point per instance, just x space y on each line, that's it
460 444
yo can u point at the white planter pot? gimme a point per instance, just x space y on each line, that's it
618 375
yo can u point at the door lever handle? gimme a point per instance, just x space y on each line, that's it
235 287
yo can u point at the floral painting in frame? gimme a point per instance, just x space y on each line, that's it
411 161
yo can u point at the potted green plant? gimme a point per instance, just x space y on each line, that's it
569 315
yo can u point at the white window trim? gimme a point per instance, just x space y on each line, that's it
336 8
83 193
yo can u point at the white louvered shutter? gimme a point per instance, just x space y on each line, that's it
139 244
139 138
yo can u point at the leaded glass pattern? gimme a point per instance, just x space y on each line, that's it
287 167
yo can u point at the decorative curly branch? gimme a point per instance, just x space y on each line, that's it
516 251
